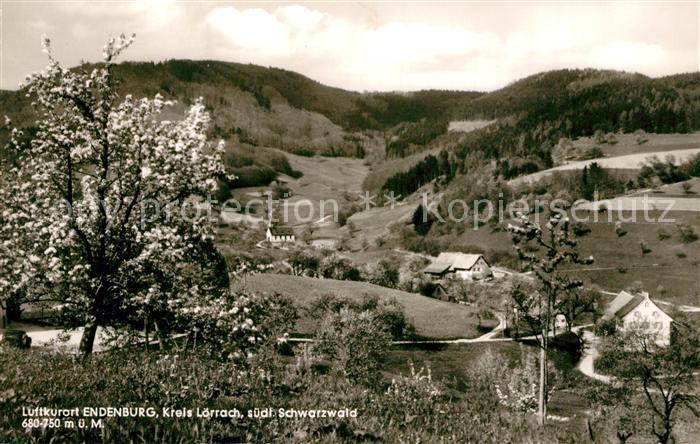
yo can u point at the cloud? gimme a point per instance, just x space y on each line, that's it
629 55
252 29
399 54
385 46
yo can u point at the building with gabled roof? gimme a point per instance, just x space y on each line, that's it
279 234
463 265
639 311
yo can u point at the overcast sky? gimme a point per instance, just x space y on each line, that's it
366 46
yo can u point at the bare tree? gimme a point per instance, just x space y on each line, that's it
663 376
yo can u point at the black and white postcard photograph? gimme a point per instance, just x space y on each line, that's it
349 221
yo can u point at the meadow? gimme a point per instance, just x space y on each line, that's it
432 318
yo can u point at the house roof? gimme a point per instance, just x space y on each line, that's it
459 261
437 268
624 303
281 230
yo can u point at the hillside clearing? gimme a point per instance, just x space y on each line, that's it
432 318
627 143
630 161
466 126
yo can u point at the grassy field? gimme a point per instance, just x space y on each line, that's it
669 272
676 189
619 262
325 177
371 224
627 143
431 318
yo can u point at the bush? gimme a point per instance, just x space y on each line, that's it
388 315
663 235
580 229
235 325
355 344
340 268
385 273
606 327
592 153
645 247
570 343
687 233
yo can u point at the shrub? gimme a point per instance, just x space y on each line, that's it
340 268
304 262
580 229
663 234
428 288
384 273
687 233
235 325
388 315
619 230
640 136
570 343
606 327
592 153
645 247
355 344
518 391
305 152
415 394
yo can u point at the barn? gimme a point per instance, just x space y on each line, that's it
463 265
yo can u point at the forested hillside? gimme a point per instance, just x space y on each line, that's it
257 106
534 113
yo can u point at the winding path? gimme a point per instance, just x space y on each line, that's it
587 363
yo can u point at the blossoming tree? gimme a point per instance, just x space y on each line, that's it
543 251
90 215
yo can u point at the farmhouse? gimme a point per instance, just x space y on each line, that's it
279 234
464 266
639 311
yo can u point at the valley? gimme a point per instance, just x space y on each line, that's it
350 200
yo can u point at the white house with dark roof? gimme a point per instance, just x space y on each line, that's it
464 266
279 234
639 311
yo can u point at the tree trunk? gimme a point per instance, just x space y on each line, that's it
13 310
145 331
88 339
542 407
